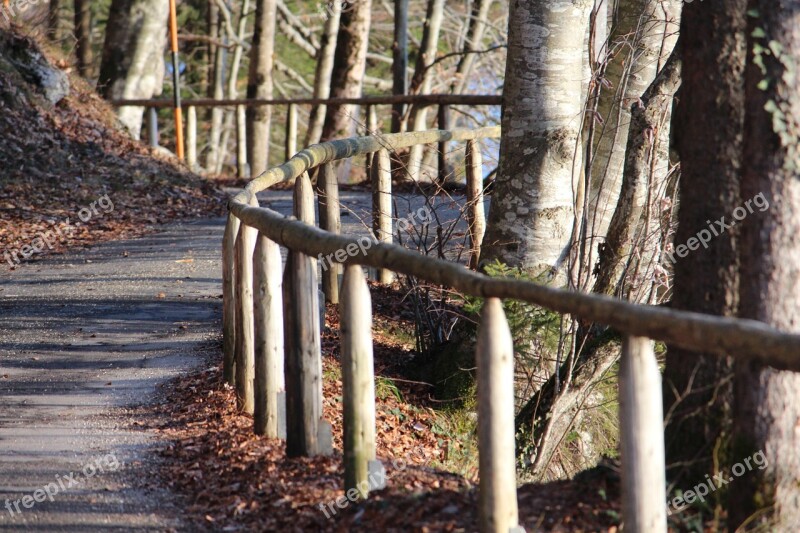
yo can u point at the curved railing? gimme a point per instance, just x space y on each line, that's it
271 328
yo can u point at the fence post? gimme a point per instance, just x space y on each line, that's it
497 497
642 438
358 380
291 131
268 317
152 126
306 433
191 137
475 211
444 124
329 220
229 299
371 129
382 204
303 357
245 350
241 142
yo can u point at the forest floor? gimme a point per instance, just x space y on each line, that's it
234 480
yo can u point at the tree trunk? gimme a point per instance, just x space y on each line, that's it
259 85
640 44
626 259
53 20
473 42
83 37
133 62
399 61
421 82
531 215
216 91
710 109
767 401
322 77
349 65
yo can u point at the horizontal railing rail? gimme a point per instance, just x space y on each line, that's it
415 99
418 101
261 334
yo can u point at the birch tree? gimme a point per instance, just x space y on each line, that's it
531 216
349 66
259 85
133 56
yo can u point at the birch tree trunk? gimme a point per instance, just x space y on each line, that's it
322 76
473 42
640 44
259 85
531 215
133 64
767 401
421 82
347 78
216 91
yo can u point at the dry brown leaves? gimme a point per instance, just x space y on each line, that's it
233 480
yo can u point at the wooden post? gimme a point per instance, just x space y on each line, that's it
382 205
329 220
241 142
358 380
191 137
303 356
229 299
152 126
245 349
371 129
444 124
497 499
268 315
304 200
302 340
291 131
642 438
475 211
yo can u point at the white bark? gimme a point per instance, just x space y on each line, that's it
531 216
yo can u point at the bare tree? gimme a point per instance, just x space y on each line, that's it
348 69
83 37
260 85
133 65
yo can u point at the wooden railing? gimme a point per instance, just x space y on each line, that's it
369 104
271 320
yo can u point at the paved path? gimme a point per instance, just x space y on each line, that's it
83 338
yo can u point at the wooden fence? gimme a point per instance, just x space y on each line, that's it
368 103
272 326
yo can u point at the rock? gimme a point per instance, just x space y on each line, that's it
23 55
